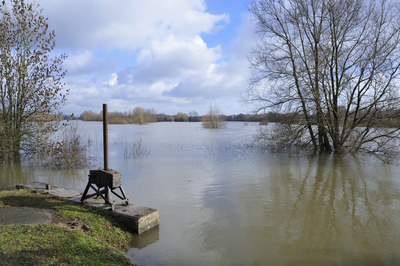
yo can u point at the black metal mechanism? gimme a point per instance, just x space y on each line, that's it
107 178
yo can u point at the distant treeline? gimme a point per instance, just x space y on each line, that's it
140 115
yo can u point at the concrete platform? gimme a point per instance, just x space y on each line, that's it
138 218
24 215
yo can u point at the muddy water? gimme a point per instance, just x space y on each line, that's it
224 203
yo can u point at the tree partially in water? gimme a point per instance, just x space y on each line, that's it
30 80
213 118
335 64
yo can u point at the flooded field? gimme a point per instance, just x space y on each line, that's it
223 202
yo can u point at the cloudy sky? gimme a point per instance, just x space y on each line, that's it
169 55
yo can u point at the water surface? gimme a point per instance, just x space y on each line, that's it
222 202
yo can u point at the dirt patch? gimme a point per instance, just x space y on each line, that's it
76 224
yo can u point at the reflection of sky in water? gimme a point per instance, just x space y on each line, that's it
223 203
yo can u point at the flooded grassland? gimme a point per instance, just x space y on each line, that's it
223 202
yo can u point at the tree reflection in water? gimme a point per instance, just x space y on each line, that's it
10 170
329 211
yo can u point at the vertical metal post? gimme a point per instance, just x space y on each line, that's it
105 136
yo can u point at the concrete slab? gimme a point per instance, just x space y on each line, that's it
138 218
76 198
54 190
63 193
24 215
35 185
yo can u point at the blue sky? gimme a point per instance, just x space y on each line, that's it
169 55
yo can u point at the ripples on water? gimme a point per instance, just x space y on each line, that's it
222 202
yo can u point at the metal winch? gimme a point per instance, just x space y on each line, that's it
106 178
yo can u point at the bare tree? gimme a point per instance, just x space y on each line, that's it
30 81
335 64
138 114
213 118
193 116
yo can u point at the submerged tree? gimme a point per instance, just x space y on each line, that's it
333 63
213 118
30 81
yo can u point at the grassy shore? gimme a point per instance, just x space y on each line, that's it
79 235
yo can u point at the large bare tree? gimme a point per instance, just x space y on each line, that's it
332 66
30 80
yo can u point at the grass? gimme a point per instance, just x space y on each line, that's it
80 235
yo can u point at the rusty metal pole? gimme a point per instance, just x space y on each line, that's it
105 136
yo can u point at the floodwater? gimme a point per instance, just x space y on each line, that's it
222 202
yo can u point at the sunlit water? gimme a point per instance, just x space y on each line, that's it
222 202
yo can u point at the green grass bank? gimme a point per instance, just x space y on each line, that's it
78 235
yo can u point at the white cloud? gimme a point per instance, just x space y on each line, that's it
126 24
83 62
221 80
113 80
173 58
159 87
79 59
148 53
